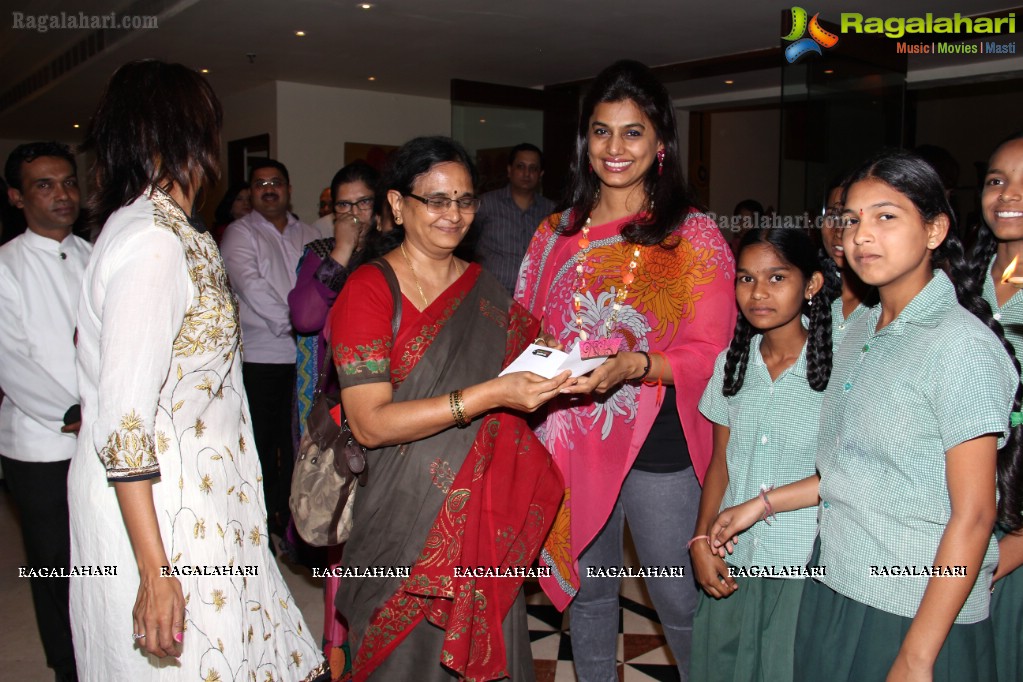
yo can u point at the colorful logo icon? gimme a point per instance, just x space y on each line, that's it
818 36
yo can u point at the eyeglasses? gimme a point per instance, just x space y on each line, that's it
362 204
466 204
272 182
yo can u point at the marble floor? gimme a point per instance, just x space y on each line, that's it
21 652
642 653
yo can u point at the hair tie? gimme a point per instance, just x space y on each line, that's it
1015 418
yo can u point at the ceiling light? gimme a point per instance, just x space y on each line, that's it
204 70
729 82
365 5
76 126
829 71
372 78
483 120
300 34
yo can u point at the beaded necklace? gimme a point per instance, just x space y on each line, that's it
628 277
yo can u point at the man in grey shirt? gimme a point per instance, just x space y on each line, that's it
508 217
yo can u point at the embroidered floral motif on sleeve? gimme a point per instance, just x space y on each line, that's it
210 323
130 451
371 358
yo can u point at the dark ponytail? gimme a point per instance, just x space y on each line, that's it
819 344
983 251
910 175
796 248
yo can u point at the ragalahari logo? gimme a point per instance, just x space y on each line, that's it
818 36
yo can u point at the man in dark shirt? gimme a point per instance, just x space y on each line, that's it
508 217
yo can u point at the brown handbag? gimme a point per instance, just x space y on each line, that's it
331 464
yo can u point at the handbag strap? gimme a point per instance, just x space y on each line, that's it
392 283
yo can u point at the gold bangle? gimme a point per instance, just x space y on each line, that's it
458 409
460 406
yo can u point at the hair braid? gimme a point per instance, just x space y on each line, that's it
819 344
983 251
968 281
737 357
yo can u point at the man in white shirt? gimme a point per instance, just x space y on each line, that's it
261 252
41 274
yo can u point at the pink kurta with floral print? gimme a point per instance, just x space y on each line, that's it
681 303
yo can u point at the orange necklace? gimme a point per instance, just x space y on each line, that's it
628 277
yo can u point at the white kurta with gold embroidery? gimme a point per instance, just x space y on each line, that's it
159 370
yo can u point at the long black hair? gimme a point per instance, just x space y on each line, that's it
796 248
156 124
670 194
912 176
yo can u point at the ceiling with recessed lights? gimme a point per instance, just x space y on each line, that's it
52 79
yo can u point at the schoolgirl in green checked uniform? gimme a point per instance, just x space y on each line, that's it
764 399
914 442
1000 240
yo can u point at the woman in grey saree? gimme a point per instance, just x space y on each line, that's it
456 479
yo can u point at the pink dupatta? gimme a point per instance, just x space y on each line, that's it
682 304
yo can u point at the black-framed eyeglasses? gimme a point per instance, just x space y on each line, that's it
466 204
363 204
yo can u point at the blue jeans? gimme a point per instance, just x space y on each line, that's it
661 510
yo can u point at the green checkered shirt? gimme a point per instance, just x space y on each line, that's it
898 400
839 323
1010 314
772 441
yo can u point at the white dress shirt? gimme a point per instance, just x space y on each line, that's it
40 281
325 225
261 263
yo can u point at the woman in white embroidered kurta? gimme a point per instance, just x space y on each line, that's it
163 406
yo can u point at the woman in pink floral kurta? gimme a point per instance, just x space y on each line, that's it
632 261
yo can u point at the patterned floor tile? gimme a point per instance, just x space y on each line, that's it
642 653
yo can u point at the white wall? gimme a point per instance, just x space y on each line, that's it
743 158
246 114
249 113
314 122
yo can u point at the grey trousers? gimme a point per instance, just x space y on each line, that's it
661 510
